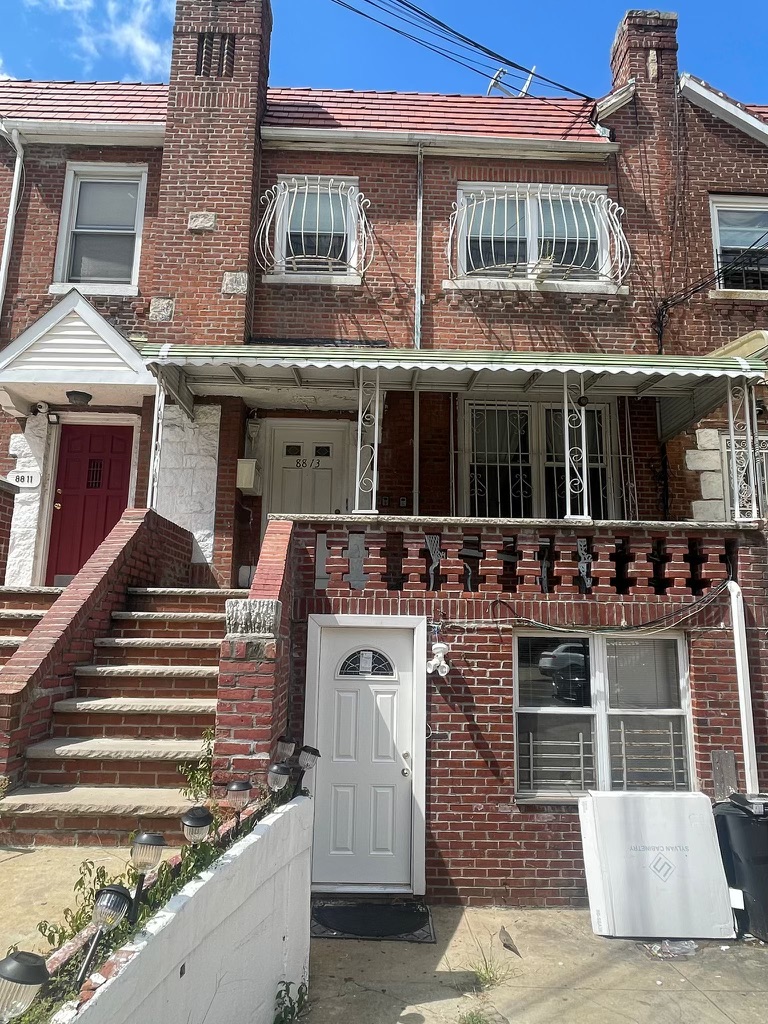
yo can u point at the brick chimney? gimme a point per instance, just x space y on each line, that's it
645 48
210 177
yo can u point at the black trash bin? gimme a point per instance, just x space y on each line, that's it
742 829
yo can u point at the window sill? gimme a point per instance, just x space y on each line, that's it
334 280
736 295
506 284
569 800
63 287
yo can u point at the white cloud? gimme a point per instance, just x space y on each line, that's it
4 76
136 30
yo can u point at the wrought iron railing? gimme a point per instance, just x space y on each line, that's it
314 225
538 232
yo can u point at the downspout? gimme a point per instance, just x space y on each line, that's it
10 224
418 301
743 680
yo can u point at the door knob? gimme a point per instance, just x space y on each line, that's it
406 772
57 504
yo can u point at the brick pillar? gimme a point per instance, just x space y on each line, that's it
210 178
231 445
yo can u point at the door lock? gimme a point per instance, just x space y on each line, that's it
57 504
405 772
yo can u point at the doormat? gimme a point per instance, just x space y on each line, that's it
404 921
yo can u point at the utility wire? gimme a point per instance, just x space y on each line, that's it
428 23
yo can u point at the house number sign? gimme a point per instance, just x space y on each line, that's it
27 478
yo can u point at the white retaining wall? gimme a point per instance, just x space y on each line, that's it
218 951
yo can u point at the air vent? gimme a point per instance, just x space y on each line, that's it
215 55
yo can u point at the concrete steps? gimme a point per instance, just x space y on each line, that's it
139 711
36 598
89 815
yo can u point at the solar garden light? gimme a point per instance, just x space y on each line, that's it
110 906
146 851
307 760
238 797
277 777
285 748
196 823
22 975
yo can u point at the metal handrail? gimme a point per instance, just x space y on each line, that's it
538 232
314 225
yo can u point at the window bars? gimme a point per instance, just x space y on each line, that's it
314 225
537 232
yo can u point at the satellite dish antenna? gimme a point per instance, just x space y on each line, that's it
496 83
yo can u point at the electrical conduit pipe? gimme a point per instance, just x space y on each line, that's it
743 680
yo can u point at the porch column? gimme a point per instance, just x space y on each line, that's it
157 441
575 452
742 461
368 433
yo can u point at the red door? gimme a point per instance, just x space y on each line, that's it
91 494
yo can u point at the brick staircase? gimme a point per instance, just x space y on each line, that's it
139 711
21 608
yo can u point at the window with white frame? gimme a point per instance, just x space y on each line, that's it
516 460
101 224
314 225
600 712
740 235
538 231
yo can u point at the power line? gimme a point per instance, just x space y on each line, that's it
418 18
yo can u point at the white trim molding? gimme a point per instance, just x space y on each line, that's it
89 133
722 107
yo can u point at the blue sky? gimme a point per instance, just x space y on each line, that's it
318 44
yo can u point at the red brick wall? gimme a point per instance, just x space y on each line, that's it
7 494
482 845
37 231
211 163
142 550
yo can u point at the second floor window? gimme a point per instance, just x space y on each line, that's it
314 226
740 231
538 232
102 215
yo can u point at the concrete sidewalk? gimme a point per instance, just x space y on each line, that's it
566 974
36 884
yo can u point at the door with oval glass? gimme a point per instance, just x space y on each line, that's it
309 467
364 786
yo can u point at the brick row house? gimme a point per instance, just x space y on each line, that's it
447 414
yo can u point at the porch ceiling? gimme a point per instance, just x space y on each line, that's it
689 387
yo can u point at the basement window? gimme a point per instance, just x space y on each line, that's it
600 712
100 231
740 237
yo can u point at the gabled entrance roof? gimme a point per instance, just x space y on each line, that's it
72 346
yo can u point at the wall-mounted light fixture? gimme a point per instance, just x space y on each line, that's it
79 398
437 662
53 417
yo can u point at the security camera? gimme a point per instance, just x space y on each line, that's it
41 407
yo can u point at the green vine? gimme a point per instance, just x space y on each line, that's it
286 1007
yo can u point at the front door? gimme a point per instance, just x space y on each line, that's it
365 776
92 482
309 467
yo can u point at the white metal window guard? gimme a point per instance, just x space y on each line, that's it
314 225
742 445
537 232
576 451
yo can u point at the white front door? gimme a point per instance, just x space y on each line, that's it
364 785
309 461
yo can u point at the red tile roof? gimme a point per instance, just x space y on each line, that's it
83 101
498 116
